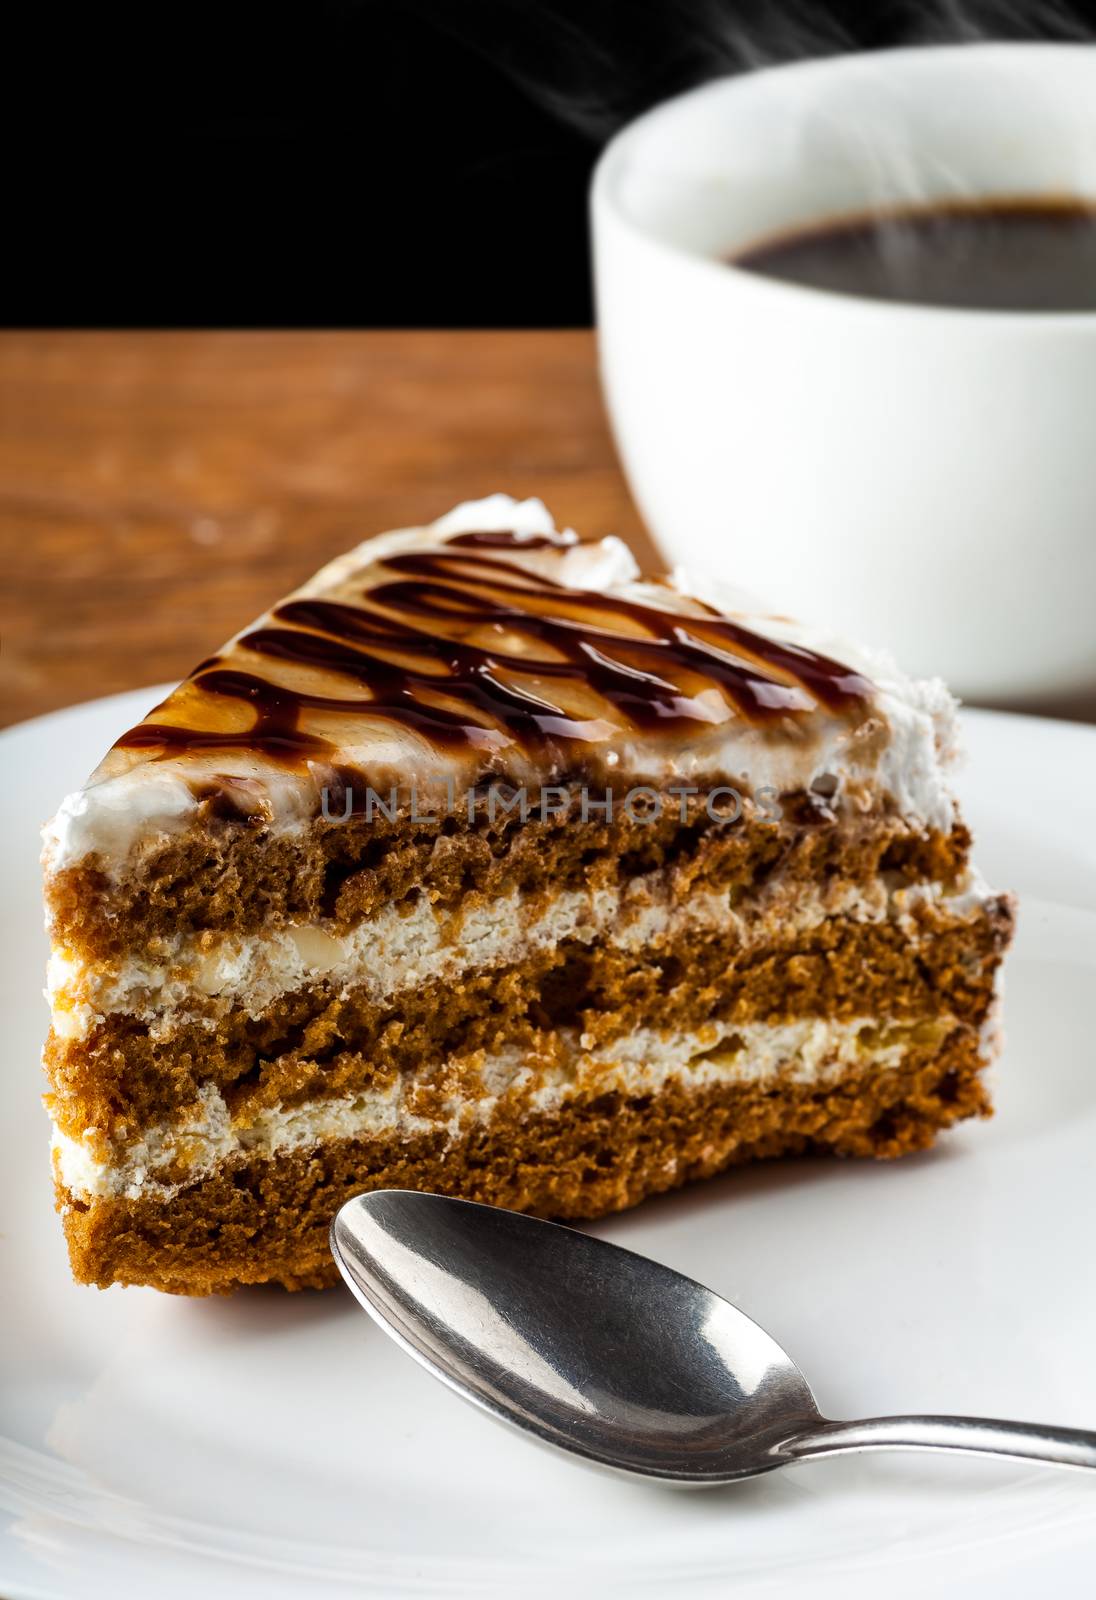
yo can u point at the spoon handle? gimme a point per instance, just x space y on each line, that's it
1018 1441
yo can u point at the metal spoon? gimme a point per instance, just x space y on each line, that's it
615 1358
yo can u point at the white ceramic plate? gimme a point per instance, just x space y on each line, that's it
277 1445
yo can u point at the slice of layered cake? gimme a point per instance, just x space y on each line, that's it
482 864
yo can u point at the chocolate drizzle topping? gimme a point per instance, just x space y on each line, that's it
473 652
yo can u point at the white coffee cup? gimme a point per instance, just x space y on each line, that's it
919 478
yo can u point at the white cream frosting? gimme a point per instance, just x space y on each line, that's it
805 1051
131 801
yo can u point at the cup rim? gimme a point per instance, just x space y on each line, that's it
604 201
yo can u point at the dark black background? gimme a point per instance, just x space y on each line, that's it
347 162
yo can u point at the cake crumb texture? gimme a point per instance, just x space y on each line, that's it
268 1221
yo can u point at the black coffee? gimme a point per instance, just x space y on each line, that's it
1020 255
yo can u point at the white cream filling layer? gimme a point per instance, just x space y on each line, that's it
403 949
805 1051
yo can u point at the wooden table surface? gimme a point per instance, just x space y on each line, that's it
158 490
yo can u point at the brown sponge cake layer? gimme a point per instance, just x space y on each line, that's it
267 1220
319 1040
229 875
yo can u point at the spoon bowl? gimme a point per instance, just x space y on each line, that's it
610 1356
